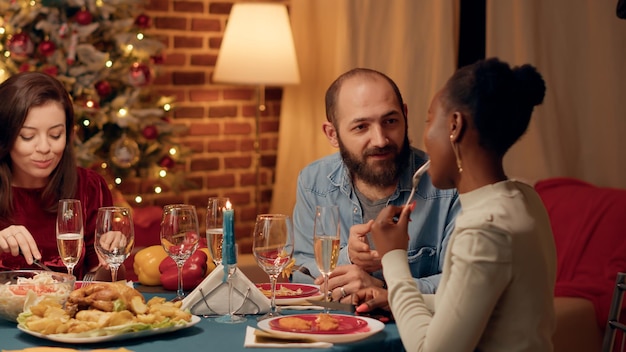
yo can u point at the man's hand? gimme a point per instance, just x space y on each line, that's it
359 248
347 279
370 298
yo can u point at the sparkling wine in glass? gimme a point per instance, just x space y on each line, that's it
115 236
179 237
214 227
69 232
326 242
273 247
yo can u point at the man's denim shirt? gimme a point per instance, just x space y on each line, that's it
327 182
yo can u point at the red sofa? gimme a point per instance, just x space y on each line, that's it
589 232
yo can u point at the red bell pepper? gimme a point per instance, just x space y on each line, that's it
193 271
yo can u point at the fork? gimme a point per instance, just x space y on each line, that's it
304 270
416 180
88 279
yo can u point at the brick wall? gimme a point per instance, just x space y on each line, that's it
220 119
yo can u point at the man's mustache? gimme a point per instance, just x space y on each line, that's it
383 150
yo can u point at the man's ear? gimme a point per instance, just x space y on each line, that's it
457 126
331 134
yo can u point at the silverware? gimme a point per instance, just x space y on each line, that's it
88 279
40 264
416 180
304 270
334 305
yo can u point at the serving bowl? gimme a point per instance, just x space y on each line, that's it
19 289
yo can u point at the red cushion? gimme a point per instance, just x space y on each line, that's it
588 223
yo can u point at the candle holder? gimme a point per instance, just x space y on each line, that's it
229 261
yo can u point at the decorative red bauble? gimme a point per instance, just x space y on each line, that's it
20 46
142 21
83 17
103 88
167 162
52 70
139 75
24 67
157 59
150 132
46 47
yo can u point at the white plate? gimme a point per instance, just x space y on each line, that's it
310 292
72 338
372 327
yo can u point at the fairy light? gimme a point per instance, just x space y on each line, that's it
90 104
122 112
162 173
167 107
129 48
7 54
138 199
140 36
108 64
32 3
158 190
104 165
173 151
118 181
86 122
99 3
2 30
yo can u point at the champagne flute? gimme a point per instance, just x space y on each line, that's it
214 227
326 242
272 247
179 237
115 236
69 231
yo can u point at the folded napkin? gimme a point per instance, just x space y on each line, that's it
211 296
61 349
259 339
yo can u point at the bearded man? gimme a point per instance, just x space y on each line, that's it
367 121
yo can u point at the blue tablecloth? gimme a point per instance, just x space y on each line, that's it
207 335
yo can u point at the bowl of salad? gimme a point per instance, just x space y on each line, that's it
19 289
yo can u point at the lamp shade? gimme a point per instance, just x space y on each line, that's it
257 47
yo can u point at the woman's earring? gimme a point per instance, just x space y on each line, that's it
456 154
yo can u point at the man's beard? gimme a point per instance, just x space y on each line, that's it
380 173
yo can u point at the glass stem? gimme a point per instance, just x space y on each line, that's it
273 279
326 293
180 292
231 271
113 273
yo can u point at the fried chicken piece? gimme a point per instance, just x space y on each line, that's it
294 323
103 295
325 322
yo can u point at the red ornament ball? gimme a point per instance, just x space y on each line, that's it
83 17
167 162
139 75
20 46
142 21
52 70
103 88
150 132
46 47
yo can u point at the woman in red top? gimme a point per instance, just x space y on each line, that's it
37 168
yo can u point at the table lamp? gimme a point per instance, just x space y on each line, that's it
257 49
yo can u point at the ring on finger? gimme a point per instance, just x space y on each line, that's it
343 292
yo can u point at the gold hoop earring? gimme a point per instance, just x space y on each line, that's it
459 165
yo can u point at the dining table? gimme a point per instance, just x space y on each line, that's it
206 335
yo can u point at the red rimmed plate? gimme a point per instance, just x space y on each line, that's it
351 328
306 291
347 324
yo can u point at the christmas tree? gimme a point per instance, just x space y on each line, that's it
99 50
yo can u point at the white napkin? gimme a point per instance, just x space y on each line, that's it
266 340
211 296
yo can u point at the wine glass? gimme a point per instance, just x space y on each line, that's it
115 236
326 242
69 230
179 237
214 227
272 247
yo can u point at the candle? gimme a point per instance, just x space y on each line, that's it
229 255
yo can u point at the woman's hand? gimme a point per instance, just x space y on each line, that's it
369 299
16 239
390 229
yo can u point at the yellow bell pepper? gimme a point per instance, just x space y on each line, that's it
146 265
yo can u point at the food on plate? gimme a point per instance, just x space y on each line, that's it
103 308
294 323
326 322
20 289
282 291
323 322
